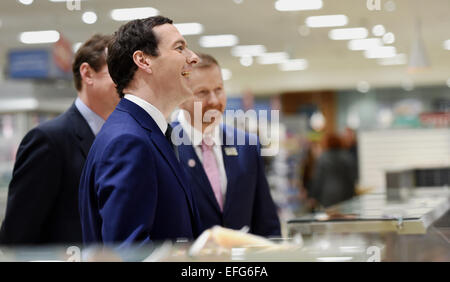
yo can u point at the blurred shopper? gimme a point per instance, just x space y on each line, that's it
42 203
227 178
349 142
307 168
334 175
132 188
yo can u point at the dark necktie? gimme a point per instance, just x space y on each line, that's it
169 139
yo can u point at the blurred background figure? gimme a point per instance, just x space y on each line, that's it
334 174
42 206
349 142
307 168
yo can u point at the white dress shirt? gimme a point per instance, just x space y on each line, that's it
196 138
94 121
156 114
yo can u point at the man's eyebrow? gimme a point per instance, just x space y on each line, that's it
180 41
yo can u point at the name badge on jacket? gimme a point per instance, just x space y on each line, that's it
230 151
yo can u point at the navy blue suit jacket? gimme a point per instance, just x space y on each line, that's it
248 201
132 188
43 193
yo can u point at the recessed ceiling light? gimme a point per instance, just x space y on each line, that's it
364 44
348 33
189 28
389 38
246 61
327 21
133 13
248 50
226 74
378 30
224 40
26 2
447 44
381 52
294 65
363 87
89 17
273 58
38 37
295 5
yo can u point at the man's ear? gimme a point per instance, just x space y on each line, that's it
87 73
142 61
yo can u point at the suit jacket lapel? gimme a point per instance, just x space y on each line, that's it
231 164
82 130
160 141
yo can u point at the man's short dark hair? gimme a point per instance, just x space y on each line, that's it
206 61
132 36
91 52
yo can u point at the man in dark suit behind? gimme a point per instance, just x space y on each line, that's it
132 188
227 178
42 205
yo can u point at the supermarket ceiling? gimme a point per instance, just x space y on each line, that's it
318 61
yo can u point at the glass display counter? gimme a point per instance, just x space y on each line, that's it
417 229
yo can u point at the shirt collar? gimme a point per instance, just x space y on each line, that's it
94 121
156 114
196 135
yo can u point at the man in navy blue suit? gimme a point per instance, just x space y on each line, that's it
132 189
43 194
227 178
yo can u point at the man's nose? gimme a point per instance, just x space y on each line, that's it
193 58
212 98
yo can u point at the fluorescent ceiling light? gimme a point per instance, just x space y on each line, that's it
133 13
298 5
38 37
327 21
381 52
224 40
89 17
189 28
248 50
294 65
226 74
364 44
447 44
273 58
348 33
400 59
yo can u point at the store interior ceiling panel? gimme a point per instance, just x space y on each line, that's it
331 65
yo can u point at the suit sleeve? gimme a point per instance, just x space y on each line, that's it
265 220
127 191
33 189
